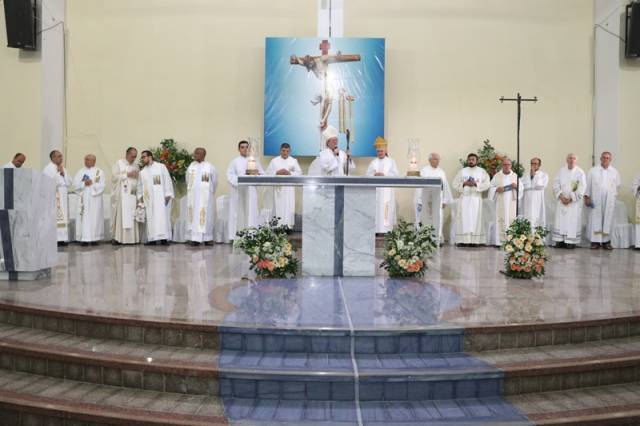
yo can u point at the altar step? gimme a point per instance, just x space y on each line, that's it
27 399
249 374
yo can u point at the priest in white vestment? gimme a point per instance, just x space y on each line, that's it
124 185
635 189
384 165
535 183
284 197
470 183
331 161
568 188
202 180
433 170
243 200
600 198
506 190
17 162
56 171
155 193
89 184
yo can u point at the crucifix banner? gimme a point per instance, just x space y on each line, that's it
313 83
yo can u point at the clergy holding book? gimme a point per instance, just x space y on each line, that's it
535 183
600 198
155 193
202 180
124 185
284 197
89 184
55 170
384 165
506 191
568 188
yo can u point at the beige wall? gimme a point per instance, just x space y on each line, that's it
139 71
193 70
449 62
629 159
20 93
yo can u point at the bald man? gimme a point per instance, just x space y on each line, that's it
89 184
202 180
568 188
17 162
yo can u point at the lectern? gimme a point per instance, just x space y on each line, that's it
28 244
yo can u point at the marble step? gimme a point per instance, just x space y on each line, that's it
510 336
467 412
326 376
169 333
551 368
437 340
110 362
28 399
597 406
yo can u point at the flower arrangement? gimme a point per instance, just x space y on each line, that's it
525 254
491 161
406 249
176 159
271 255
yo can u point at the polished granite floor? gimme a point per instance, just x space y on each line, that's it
213 285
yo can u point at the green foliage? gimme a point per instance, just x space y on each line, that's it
270 253
491 161
406 249
525 253
176 159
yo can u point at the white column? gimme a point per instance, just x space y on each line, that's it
53 76
330 18
607 21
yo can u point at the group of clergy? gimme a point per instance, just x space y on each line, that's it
145 196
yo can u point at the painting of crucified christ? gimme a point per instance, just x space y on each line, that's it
306 78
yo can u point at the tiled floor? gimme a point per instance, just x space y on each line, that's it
463 286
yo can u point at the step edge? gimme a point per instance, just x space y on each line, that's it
61 354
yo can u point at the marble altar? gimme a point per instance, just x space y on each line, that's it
338 218
27 224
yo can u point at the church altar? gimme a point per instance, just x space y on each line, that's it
338 218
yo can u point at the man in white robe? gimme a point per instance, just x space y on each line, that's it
243 200
568 188
89 184
17 162
506 190
535 183
470 183
600 197
202 180
155 193
635 189
124 185
384 165
56 171
284 197
331 161
433 170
